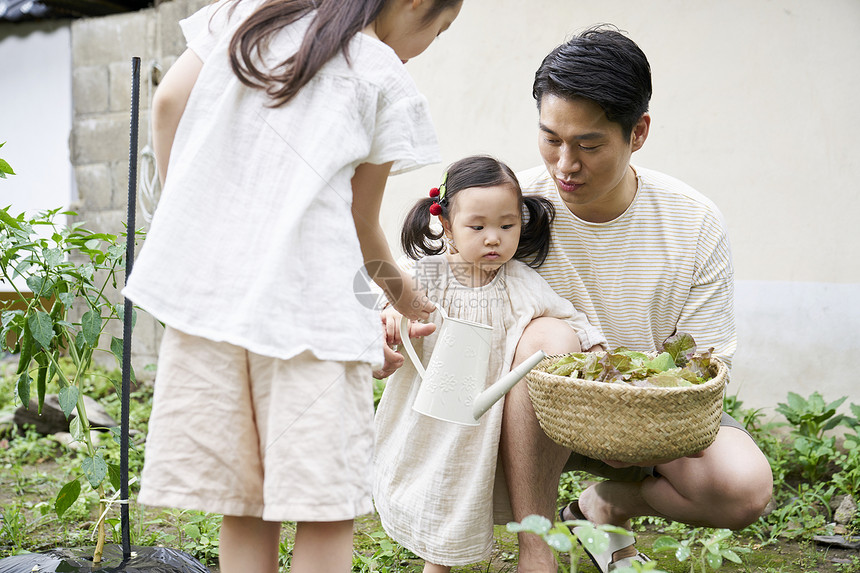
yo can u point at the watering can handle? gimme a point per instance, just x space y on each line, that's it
406 342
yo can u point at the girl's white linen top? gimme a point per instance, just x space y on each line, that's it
253 242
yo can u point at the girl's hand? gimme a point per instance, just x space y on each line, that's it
391 326
413 302
391 330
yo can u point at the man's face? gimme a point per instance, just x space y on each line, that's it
588 156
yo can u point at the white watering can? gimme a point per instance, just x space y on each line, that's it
452 384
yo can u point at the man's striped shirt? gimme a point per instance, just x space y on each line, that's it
663 266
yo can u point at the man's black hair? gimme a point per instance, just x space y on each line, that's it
602 65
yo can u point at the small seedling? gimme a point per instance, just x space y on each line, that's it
713 553
561 539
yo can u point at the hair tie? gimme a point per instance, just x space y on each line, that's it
438 196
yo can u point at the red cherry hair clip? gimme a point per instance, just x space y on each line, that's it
435 207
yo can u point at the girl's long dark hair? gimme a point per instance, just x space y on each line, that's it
418 238
333 26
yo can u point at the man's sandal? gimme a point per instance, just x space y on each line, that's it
617 541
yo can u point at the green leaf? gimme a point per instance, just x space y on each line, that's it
595 540
116 433
115 476
731 555
87 271
76 429
95 468
116 251
80 342
116 348
53 257
5 168
38 285
192 531
682 553
796 402
69 399
591 367
661 363
67 298
532 524
120 312
24 389
41 327
91 326
715 560
665 543
67 496
5 217
559 542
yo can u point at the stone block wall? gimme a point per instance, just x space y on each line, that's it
102 52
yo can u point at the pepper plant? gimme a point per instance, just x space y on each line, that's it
5 168
63 311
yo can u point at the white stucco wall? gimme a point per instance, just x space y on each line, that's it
36 112
755 104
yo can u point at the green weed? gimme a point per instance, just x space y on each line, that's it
383 554
194 532
715 548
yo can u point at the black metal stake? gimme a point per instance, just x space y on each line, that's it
127 307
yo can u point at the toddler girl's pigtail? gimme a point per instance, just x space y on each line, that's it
417 238
535 236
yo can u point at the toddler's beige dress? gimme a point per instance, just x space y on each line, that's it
434 480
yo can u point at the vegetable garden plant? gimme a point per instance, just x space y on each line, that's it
69 273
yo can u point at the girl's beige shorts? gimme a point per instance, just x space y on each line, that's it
237 433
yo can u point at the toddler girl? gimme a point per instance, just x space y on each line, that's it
434 482
281 123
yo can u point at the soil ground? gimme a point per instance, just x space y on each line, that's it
27 486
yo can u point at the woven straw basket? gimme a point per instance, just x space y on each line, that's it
619 421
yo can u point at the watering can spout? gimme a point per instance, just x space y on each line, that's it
485 400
